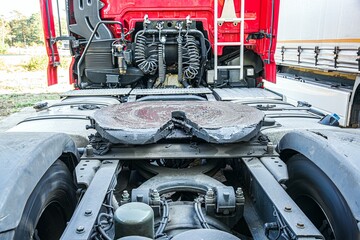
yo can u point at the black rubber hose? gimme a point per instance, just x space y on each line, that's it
180 64
162 66
194 32
164 219
200 215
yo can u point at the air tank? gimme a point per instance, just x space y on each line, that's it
134 219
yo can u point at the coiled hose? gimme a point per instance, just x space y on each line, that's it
192 56
180 63
162 65
147 65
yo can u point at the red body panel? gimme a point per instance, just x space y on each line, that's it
260 16
49 34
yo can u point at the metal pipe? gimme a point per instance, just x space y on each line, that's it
162 66
271 30
242 30
180 64
216 15
58 12
78 82
50 33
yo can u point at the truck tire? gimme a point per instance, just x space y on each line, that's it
50 205
319 199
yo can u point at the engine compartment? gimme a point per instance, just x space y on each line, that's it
163 54
166 53
141 44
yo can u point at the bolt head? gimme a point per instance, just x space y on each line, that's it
300 225
239 192
210 192
287 209
88 212
80 229
270 147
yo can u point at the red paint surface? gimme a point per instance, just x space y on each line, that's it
49 33
257 18
257 15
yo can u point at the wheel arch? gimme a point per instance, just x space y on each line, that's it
26 157
336 153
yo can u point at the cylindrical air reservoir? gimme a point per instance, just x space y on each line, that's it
134 219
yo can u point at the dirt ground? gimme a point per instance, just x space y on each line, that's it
21 88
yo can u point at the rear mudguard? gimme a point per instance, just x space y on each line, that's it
24 158
336 153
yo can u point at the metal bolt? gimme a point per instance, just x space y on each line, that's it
125 195
210 193
89 151
209 196
239 192
155 192
270 148
88 212
80 229
287 209
300 225
155 196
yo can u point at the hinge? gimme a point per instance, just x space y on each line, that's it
258 35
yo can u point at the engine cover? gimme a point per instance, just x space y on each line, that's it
149 122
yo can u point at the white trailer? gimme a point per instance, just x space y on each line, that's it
318 53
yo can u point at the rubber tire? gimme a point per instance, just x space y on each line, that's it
56 189
309 181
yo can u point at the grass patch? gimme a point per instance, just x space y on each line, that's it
36 63
65 62
12 103
3 65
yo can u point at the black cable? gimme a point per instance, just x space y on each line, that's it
208 50
164 219
281 226
200 215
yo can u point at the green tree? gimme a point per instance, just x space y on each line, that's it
4 34
25 31
35 34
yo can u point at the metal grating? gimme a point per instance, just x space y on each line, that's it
97 92
230 94
170 91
